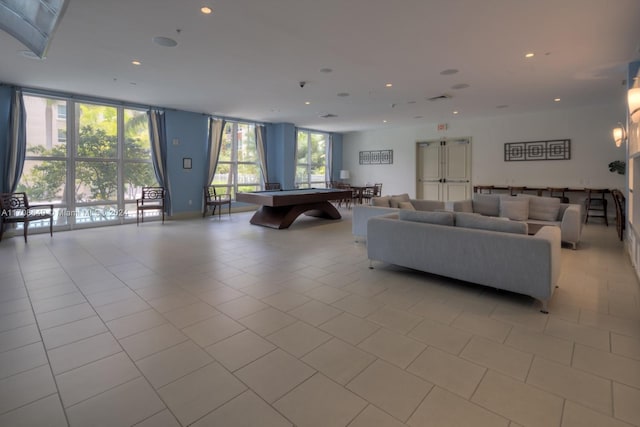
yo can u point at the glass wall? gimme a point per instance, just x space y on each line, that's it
90 160
238 167
311 159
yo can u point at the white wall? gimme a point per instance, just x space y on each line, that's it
589 129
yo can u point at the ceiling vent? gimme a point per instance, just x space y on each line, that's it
439 97
328 116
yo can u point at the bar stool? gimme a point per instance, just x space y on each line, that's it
516 190
484 189
596 202
559 193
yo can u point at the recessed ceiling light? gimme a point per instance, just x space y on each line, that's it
343 94
455 112
529 55
206 10
384 121
556 99
325 70
136 62
164 41
449 72
388 85
307 102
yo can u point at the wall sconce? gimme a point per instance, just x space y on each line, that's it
619 134
633 97
344 174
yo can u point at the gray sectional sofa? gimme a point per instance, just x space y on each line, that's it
535 211
488 251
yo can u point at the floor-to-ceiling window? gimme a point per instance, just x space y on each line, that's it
91 160
238 167
311 158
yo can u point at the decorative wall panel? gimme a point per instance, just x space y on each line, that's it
555 149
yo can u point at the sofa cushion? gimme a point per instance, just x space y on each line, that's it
399 198
439 218
407 206
517 210
543 208
463 206
383 202
468 220
486 204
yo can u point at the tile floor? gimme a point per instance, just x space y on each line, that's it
220 323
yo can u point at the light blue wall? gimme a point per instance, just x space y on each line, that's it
186 137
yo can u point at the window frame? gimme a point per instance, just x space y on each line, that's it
308 165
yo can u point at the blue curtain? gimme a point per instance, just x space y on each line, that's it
16 143
158 136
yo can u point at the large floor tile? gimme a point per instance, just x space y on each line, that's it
22 359
444 409
81 352
299 338
338 360
320 402
244 411
44 412
124 405
618 368
152 340
59 317
326 294
625 346
357 305
372 416
393 347
19 337
576 415
492 329
71 332
26 387
440 335
390 388
274 374
350 328
540 344
517 401
16 320
394 319
498 357
122 308
573 384
190 314
134 323
625 403
240 349
94 378
448 371
578 333
161 419
175 362
212 330
315 312
241 307
200 392
267 321
286 300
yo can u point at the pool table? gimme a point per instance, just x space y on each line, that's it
278 209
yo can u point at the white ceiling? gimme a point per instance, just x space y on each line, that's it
246 59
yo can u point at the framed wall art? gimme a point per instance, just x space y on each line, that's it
376 157
554 149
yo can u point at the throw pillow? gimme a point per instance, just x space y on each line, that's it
517 210
407 206
382 202
543 208
399 198
486 204
439 218
467 220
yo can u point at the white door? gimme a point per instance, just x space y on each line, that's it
429 171
444 170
